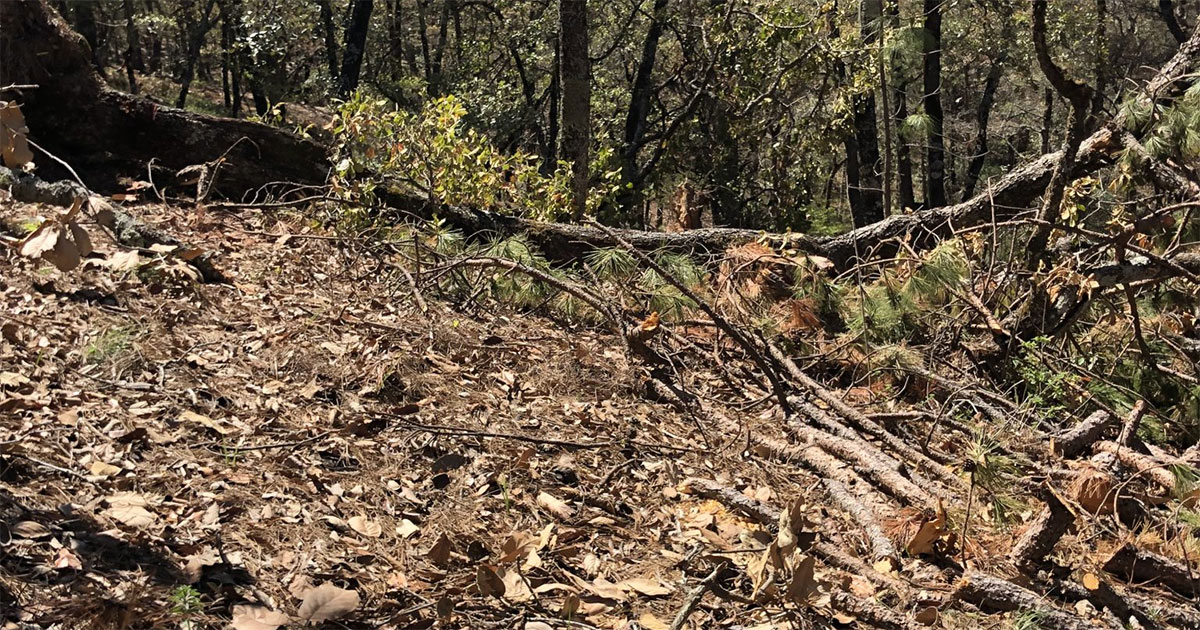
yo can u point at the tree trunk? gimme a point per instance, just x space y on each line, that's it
574 68
123 133
904 177
133 52
1047 119
935 182
554 96
866 134
226 46
195 41
439 52
982 114
1080 97
85 23
1166 8
232 17
639 110
356 45
331 48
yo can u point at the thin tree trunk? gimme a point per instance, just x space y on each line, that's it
576 97
550 159
869 208
982 114
439 52
423 32
904 176
1047 119
1166 8
1080 97
356 44
330 32
226 45
133 52
85 22
935 182
639 109
195 41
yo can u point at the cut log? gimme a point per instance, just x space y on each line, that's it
1078 439
1043 533
1141 464
997 595
1131 563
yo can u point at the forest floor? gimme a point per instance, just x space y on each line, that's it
307 443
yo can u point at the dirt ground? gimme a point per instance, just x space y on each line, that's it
307 444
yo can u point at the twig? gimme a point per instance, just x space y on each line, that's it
263 447
60 161
694 598
65 471
750 348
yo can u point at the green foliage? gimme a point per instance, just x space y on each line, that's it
894 306
611 264
434 153
993 472
110 344
1028 620
185 604
1046 387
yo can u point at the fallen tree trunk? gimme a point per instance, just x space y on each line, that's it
1138 565
107 134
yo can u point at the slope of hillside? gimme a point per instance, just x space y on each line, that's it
313 443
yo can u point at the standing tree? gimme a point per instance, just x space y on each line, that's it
330 33
195 30
935 181
869 208
356 46
575 70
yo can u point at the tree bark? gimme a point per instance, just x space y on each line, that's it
133 52
330 32
356 45
1080 97
574 67
1166 8
85 23
639 109
982 114
904 174
869 208
935 183
196 32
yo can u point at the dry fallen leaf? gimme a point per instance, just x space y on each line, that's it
555 506
365 526
191 416
650 622
102 469
407 529
247 617
29 529
804 584
439 553
488 581
14 148
645 586
129 509
928 533
327 602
